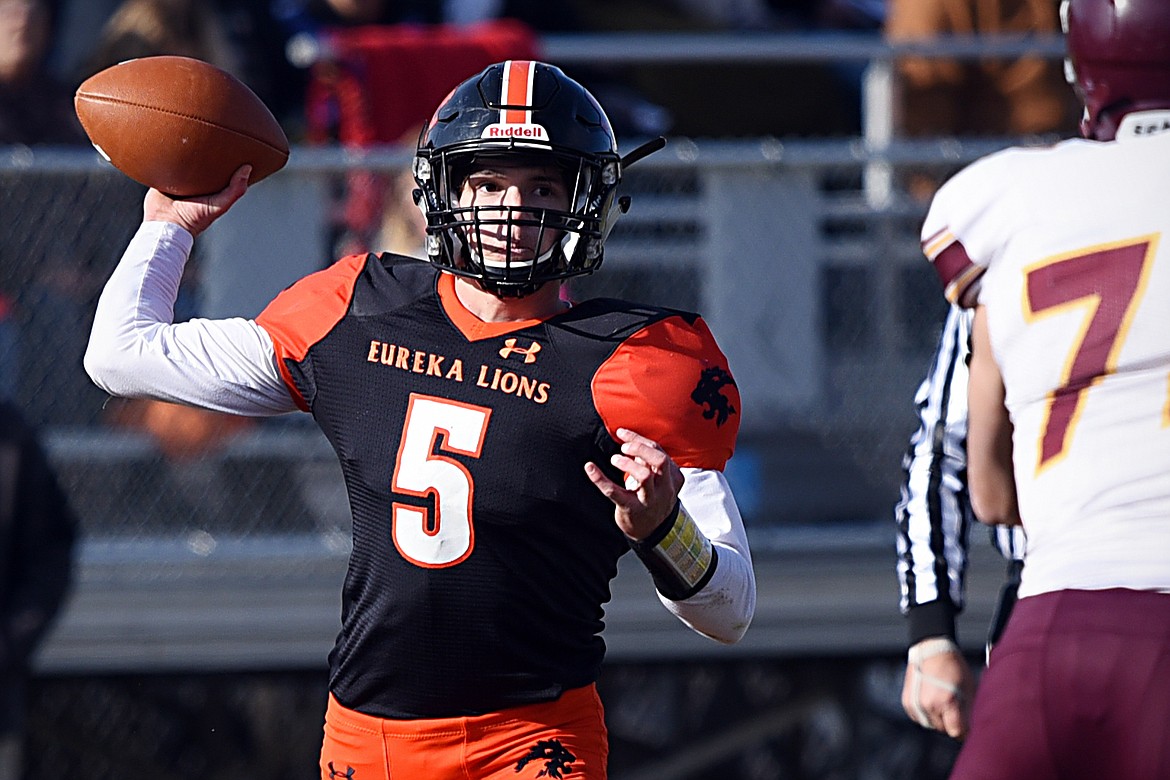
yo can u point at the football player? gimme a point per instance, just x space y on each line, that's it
1063 252
502 447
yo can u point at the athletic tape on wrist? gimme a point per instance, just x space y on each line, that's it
680 557
929 648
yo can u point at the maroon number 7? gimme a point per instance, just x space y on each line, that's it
1108 282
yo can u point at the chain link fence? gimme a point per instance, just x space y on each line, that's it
823 303
820 297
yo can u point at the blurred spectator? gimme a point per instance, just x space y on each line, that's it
979 97
35 108
992 97
309 24
305 22
377 84
37 531
145 28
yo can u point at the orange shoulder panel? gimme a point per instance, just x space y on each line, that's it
302 314
670 382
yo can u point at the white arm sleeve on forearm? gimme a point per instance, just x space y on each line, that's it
136 351
724 607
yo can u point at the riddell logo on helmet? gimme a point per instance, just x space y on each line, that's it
535 132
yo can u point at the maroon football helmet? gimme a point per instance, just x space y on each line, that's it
1118 59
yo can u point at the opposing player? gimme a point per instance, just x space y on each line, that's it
934 519
501 448
1065 253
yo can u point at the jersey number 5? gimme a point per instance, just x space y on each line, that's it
444 536
1108 282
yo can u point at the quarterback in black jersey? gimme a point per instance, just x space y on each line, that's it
502 447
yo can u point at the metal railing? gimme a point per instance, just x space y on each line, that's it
879 87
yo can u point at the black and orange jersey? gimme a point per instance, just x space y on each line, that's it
482 554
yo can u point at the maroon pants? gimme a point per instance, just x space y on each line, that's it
1079 687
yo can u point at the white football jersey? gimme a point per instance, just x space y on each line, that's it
1075 240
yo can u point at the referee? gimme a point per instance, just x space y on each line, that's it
934 518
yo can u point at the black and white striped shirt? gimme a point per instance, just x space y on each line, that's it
934 512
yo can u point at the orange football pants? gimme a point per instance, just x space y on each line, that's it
565 738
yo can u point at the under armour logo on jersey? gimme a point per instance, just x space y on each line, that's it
349 772
557 759
706 394
510 348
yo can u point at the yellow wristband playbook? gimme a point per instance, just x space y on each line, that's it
680 557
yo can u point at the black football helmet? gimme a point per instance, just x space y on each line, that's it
1118 59
531 112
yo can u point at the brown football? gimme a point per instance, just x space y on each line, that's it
179 124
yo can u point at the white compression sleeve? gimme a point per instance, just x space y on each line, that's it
723 608
135 350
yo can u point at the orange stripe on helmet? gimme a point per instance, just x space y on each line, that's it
517 91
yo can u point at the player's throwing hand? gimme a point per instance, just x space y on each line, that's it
651 486
196 214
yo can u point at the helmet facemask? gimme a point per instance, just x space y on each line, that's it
518 114
572 238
